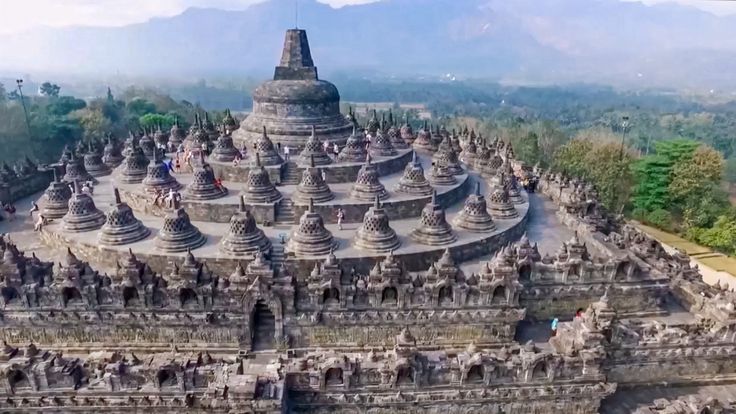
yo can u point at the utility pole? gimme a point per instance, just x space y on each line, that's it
625 126
19 82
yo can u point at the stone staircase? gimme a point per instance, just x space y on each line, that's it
291 174
277 256
285 213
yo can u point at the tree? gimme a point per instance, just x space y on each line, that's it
95 125
140 107
64 105
154 120
49 89
695 174
570 158
653 174
3 93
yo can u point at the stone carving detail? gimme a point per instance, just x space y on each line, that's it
433 228
82 214
121 227
376 234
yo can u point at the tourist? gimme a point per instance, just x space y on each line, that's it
326 146
236 161
205 149
86 189
170 165
177 165
286 153
218 183
579 313
157 197
10 211
335 150
555 321
340 217
40 223
278 145
34 208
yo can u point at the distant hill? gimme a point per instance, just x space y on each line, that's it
525 41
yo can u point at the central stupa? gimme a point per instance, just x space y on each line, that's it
295 101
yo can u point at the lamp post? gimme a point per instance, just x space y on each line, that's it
19 82
624 126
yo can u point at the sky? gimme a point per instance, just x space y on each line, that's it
20 15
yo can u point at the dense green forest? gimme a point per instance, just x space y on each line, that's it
663 158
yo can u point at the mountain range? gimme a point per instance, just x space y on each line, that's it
519 41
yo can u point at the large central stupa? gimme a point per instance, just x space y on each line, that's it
295 101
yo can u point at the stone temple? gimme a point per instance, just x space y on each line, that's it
432 296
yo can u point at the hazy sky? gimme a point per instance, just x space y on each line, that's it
19 15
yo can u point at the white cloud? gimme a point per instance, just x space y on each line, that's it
19 15
720 7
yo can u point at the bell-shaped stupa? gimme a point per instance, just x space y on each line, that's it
354 149
244 238
111 155
158 179
93 163
376 234
474 216
440 175
178 234
267 152
135 166
224 150
204 185
56 198
446 156
295 100
367 185
82 214
381 145
177 134
423 141
75 170
413 181
499 205
121 227
258 187
312 186
314 152
310 238
433 230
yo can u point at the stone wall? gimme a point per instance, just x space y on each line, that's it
25 186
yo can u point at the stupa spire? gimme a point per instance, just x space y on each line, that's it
296 59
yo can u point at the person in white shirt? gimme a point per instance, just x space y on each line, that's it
326 146
286 153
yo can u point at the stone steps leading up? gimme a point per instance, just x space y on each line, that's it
285 213
291 175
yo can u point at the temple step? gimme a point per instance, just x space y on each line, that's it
285 213
291 175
